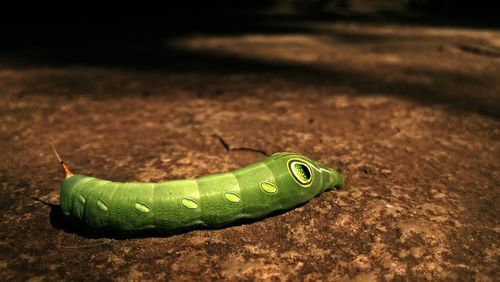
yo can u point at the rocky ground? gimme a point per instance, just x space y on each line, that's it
408 113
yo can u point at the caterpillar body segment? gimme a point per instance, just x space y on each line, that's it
279 182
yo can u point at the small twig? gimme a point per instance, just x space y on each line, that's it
251 150
228 148
44 202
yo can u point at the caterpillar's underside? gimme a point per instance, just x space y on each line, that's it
279 182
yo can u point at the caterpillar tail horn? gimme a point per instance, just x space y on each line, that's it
67 171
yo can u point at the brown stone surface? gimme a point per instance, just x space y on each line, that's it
409 115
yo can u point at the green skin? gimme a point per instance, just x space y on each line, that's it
279 182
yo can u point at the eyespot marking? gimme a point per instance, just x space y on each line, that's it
81 198
233 198
188 203
142 207
301 172
102 205
268 187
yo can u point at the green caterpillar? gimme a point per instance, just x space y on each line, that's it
280 182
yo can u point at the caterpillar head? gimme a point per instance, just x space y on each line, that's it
307 172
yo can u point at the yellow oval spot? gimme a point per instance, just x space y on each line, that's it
142 207
81 198
190 204
102 205
232 197
268 187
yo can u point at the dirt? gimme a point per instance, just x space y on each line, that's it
409 114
